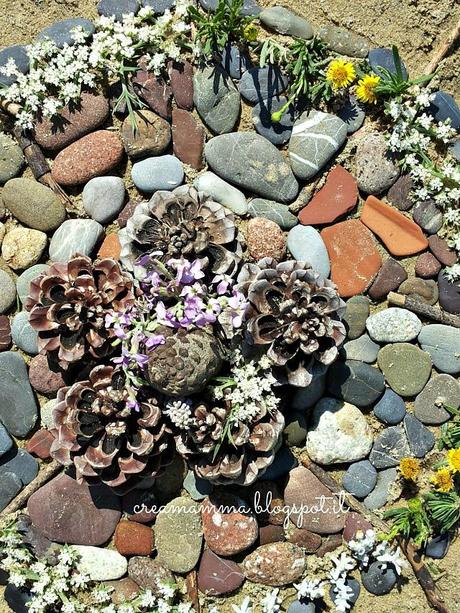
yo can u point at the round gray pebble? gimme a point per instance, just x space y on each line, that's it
379 580
391 408
277 132
103 198
155 173
23 282
360 479
23 335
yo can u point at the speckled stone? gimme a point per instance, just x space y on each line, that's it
443 344
376 169
7 291
427 266
393 325
275 211
11 159
449 294
152 135
275 564
149 574
420 289
264 238
23 247
344 41
5 333
406 368
101 564
440 248
441 391
389 277
181 78
33 204
428 216
390 446
286 22
400 192
356 314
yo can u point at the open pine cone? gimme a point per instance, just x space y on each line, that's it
106 439
182 223
68 304
296 313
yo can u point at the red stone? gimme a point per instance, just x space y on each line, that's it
267 502
305 538
440 248
188 138
5 333
354 258
275 564
132 538
338 197
110 248
330 543
353 523
42 378
140 506
155 92
271 534
265 239
40 443
126 213
390 276
427 266
400 235
217 576
181 79
124 590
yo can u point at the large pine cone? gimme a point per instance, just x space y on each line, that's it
97 430
185 363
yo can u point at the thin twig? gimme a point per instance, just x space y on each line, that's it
444 49
192 590
423 309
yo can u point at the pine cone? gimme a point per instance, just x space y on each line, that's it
185 363
104 437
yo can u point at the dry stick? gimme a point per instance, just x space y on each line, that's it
430 312
444 48
420 570
191 582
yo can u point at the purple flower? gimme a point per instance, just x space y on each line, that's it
164 316
154 341
187 273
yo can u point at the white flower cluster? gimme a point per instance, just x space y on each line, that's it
309 588
338 578
179 411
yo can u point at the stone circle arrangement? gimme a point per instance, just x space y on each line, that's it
229 330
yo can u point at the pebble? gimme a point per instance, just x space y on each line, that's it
5 333
344 41
378 578
295 430
11 159
222 192
427 266
216 99
152 135
442 390
393 325
399 193
449 294
354 523
352 113
33 204
44 380
93 155
351 598
443 345
389 278
275 564
140 506
302 607
454 149
234 61
355 382
132 538
353 254
337 198
155 91
61 33
18 408
75 236
117 8
316 137
23 247
428 216
19 54
360 479
229 526
383 58
271 534
250 8
157 173
23 335
40 443
406 368
126 213
376 170
46 413
264 238
420 439
181 79
356 314
179 535
307 397
71 124
101 564
390 409
20 463
217 576
304 538
7 292
197 488
5 440
251 162
277 132
437 546
124 590
284 21
275 211
39 544
424 291
10 486
189 136
110 248
442 251
68 512
444 107
400 235
159 6
390 446
306 245
257 84
149 574
362 348
103 198
283 463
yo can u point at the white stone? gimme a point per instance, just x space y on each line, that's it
101 564
222 192
103 198
393 325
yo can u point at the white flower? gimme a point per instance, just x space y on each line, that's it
310 588
271 602
148 598
179 412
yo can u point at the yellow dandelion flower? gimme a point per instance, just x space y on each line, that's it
365 92
340 74
453 459
251 33
442 480
410 468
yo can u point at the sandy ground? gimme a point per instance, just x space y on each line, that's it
416 27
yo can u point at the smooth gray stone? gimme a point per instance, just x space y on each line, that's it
380 494
258 84
216 99
353 114
383 58
442 390
356 315
117 8
103 198
10 486
428 216
275 211
343 41
11 160
162 172
61 31
18 407
421 440
390 446
5 440
443 344
20 463
437 547
306 245
278 132
284 21
19 54
23 335
355 382
445 107
391 408
393 325
234 61
159 6
362 348
360 479
379 578
250 7
454 149
23 281
74 236
305 398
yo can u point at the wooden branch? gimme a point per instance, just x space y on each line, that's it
423 309
444 49
191 582
421 572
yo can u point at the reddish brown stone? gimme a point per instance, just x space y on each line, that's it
151 136
127 213
353 254
40 443
440 248
264 238
353 523
217 576
427 266
275 564
181 79
188 138
400 235
155 92
70 124
330 543
268 503
304 538
230 532
92 156
271 534
110 248
140 506
390 276
338 197
132 538
5 333
149 574
399 193
42 379
124 590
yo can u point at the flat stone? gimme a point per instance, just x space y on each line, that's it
362 348
271 534
5 440
427 266
356 314
110 248
216 99
443 344
103 198
316 137
264 238
400 235
337 198
284 21
454 149
399 194
234 61
306 245
383 58
302 607
18 408
283 463
126 213
376 169
390 409
449 294
442 251
33 204
344 41
23 335
307 397
338 432
38 543
23 247
277 132
11 159
389 278
181 79
149 574
390 446
101 564
93 155
295 430
257 84
124 590
421 290
305 539
68 512
428 216
61 33
159 6
151 137
406 368
354 258
117 8
157 173
74 236
197 488
275 211
355 523
72 122
155 91
275 564
5 333
355 382
179 535
250 8
352 113
40 444
7 292
24 279
393 325
222 192
421 440
44 380
189 137
133 538
10 486
437 546
381 493
360 479
442 390
217 576
21 59
444 107
251 162
353 590
379 578
20 463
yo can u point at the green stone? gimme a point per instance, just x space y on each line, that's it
406 368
